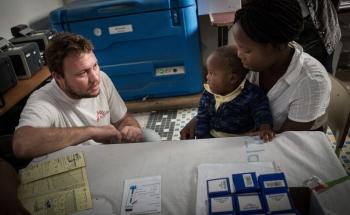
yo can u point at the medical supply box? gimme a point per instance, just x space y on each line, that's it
149 48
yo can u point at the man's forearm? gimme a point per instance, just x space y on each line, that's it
32 142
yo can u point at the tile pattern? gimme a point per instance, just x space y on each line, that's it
344 155
168 124
163 122
182 118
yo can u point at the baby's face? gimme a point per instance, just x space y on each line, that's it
219 78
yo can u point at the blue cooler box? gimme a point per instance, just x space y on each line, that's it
149 48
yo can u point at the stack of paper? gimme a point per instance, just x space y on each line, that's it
58 186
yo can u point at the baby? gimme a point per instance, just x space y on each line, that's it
230 105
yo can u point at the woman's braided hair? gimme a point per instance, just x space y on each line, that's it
271 21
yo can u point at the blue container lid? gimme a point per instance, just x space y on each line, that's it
95 9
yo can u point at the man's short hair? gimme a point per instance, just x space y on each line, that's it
62 45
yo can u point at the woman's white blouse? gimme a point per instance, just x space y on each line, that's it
302 94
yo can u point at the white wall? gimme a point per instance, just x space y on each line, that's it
208 36
33 13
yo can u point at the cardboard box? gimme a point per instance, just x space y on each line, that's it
305 201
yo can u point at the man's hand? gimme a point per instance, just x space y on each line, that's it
189 131
131 134
130 129
266 133
107 134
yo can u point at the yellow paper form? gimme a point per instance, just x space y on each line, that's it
51 167
58 186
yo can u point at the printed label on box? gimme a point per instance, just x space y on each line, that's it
120 29
218 185
249 203
221 204
248 181
274 184
278 202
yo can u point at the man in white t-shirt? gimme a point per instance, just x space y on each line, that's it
79 106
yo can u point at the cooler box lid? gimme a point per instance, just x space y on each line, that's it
94 9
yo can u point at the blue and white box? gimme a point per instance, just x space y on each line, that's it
245 182
278 202
218 187
273 181
221 205
249 203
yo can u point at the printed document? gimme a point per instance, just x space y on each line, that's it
141 196
58 186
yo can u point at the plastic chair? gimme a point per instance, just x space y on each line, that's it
338 112
336 57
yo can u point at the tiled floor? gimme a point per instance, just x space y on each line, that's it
345 155
169 123
166 123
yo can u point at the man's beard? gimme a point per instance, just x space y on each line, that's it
77 95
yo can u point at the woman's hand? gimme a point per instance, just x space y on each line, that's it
266 133
189 131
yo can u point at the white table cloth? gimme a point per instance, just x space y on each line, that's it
299 155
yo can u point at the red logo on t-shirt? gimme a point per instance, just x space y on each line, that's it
100 114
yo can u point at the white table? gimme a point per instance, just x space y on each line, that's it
298 154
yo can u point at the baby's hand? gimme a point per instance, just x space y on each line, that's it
266 133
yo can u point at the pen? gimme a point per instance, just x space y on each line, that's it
129 203
132 187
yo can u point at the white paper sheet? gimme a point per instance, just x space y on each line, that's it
141 196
